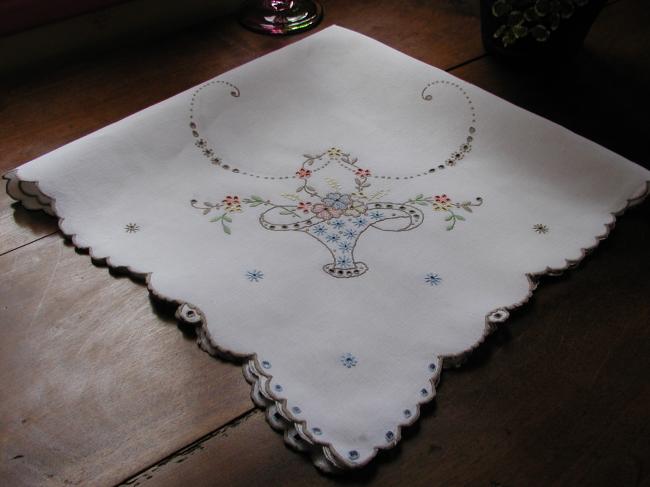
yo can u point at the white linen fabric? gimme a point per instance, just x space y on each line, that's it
343 217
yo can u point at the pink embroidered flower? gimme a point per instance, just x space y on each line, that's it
303 173
232 203
364 173
326 213
441 202
304 206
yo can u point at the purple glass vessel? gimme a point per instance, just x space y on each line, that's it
278 17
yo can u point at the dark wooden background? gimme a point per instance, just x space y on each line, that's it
99 386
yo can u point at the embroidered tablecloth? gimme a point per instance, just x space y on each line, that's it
343 218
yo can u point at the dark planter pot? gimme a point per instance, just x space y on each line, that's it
563 42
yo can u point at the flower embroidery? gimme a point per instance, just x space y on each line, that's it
334 152
303 173
348 360
432 279
304 206
343 261
326 213
345 246
337 201
441 202
356 208
254 275
337 224
338 218
232 204
131 227
359 222
540 228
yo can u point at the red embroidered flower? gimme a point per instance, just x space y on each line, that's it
305 206
303 173
364 173
443 198
232 203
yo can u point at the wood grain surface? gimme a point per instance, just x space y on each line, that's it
101 386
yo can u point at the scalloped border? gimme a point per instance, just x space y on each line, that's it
296 434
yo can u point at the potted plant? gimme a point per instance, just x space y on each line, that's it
534 29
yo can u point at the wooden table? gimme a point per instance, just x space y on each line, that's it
99 386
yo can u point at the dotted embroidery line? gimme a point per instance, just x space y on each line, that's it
450 161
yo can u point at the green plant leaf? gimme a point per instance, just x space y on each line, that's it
226 229
501 8
460 217
499 32
449 218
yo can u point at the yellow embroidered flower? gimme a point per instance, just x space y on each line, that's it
334 152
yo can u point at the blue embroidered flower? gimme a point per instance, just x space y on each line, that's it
348 360
345 246
432 279
338 224
376 215
337 201
343 261
332 237
254 276
319 229
349 233
359 222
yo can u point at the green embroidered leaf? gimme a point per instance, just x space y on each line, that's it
207 203
310 188
216 218
467 208
257 198
450 227
421 203
459 217
449 218
206 211
292 197
226 229
227 218
419 197
285 212
333 183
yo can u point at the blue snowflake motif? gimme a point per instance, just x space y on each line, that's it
376 215
345 246
359 222
343 261
254 276
432 279
319 229
349 233
337 224
332 237
348 360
